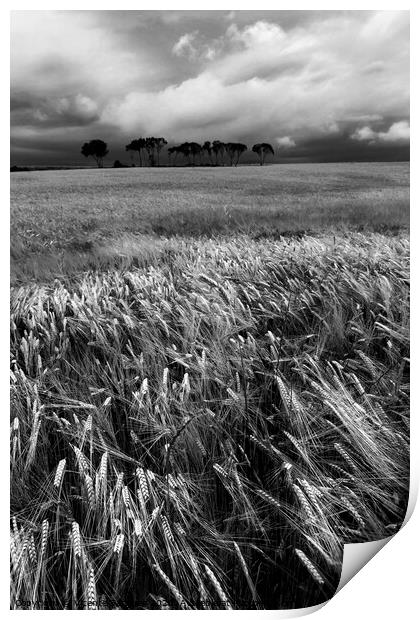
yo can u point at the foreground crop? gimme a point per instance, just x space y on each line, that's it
208 431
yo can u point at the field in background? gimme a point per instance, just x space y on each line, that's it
203 419
64 219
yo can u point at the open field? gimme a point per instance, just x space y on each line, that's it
203 419
68 217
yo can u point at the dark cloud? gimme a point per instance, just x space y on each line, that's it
59 112
341 147
319 84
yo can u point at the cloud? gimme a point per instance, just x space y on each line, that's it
255 35
61 53
285 142
193 47
185 45
267 79
364 134
54 111
397 133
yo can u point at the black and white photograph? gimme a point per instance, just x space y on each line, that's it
209 303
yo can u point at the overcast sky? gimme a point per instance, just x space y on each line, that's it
318 85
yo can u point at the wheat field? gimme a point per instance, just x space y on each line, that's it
205 428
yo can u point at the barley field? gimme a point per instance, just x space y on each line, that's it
64 220
209 383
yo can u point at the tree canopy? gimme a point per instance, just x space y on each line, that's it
149 150
137 146
262 149
98 149
235 150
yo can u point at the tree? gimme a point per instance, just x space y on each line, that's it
235 150
231 151
171 151
150 146
222 152
193 152
262 149
218 148
240 148
195 149
207 148
137 146
98 149
185 149
159 144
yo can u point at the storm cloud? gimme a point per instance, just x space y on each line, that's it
318 85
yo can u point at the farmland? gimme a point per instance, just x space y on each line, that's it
210 382
64 218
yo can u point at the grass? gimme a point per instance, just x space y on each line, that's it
65 221
202 423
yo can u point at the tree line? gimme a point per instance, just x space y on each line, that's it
148 151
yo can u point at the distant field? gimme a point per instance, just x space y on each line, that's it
75 210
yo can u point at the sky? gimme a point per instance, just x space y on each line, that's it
317 85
